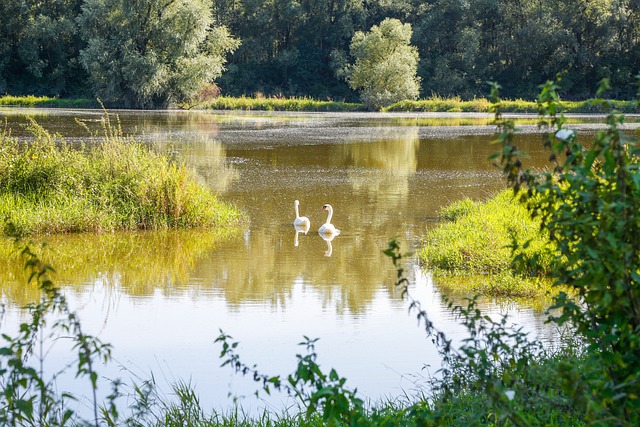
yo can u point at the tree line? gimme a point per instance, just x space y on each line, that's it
144 53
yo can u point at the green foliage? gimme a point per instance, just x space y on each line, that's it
479 239
27 397
278 104
47 186
287 45
497 375
39 44
45 101
290 47
385 64
320 393
151 53
482 105
589 202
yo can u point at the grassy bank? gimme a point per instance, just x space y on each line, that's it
115 183
482 105
471 250
46 102
431 105
278 104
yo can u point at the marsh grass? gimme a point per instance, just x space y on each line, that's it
475 243
437 104
434 104
278 104
45 101
48 186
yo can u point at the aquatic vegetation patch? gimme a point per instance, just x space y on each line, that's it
477 240
48 186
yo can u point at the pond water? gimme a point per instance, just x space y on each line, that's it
161 298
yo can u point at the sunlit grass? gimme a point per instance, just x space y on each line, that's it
45 101
113 183
434 104
482 105
471 251
278 104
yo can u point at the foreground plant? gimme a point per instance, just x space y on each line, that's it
28 396
320 393
589 202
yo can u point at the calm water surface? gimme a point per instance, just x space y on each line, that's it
161 298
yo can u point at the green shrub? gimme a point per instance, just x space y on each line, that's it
589 202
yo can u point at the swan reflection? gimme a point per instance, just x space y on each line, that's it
327 238
300 229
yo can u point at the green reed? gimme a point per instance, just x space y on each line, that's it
278 104
437 104
48 186
45 101
476 240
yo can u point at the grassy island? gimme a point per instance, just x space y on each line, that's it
471 251
110 183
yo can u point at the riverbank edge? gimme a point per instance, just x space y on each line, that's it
430 105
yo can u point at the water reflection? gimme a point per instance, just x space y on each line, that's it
208 157
137 263
328 238
304 228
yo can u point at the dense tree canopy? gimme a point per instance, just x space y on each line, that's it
288 46
146 53
39 45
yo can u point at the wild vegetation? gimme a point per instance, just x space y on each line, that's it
476 241
111 183
45 101
277 104
384 64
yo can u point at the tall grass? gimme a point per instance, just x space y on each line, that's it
112 183
278 104
45 101
437 104
434 104
476 240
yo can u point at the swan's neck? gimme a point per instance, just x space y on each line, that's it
329 216
297 213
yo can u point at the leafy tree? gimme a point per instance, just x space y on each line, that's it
150 53
39 46
385 64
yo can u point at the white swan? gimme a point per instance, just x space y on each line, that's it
327 227
301 221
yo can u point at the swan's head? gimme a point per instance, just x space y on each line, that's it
327 208
296 203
